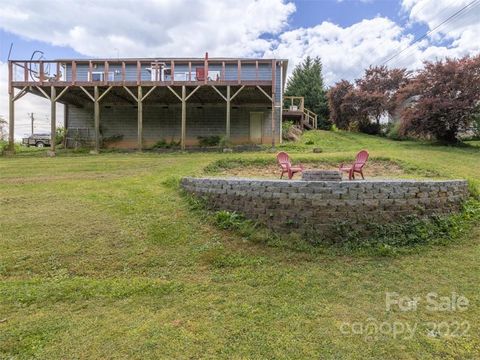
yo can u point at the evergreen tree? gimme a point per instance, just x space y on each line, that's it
307 81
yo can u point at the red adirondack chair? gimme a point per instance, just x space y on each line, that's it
284 161
357 166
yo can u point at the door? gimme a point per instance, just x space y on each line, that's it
256 122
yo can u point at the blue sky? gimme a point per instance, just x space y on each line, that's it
348 35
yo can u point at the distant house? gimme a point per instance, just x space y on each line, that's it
134 103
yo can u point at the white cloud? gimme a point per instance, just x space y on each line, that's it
345 52
149 28
462 31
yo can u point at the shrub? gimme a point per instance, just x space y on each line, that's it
393 131
369 128
3 146
205 141
163 144
286 126
60 135
476 125
228 220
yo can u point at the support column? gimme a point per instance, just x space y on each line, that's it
184 116
96 112
274 77
53 117
11 109
273 120
227 135
11 121
140 118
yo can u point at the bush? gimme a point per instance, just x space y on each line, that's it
393 131
60 135
369 128
324 123
290 131
3 145
476 126
163 144
205 141
227 220
286 126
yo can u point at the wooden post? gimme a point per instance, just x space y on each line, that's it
74 72
239 71
205 69
11 109
140 118
90 71
139 73
96 110
42 72
184 116
227 135
25 71
53 117
105 72
274 76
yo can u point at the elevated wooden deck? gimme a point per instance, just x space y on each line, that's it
76 81
294 109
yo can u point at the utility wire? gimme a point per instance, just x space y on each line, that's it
409 51
451 17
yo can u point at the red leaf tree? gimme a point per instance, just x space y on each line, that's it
340 112
377 90
442 100
368 100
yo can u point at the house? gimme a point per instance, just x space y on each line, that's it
134 103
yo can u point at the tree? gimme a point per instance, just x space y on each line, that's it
378 89
443 98
339 97
307 81
3 128
372 96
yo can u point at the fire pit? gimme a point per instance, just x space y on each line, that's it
321 175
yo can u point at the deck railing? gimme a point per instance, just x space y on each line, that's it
296 104
135 72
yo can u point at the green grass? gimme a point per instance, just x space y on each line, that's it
101 257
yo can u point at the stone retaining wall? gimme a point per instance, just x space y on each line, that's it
322 204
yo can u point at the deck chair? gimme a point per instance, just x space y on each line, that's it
284 162
357 166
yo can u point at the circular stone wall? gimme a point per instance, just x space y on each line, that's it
323 204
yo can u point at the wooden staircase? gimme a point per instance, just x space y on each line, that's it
294 109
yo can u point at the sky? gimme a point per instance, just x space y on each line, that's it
348 35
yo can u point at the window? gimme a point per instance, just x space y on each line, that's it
100 76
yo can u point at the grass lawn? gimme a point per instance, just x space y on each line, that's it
101 257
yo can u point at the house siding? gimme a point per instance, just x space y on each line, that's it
164 122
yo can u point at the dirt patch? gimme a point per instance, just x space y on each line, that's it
373 169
